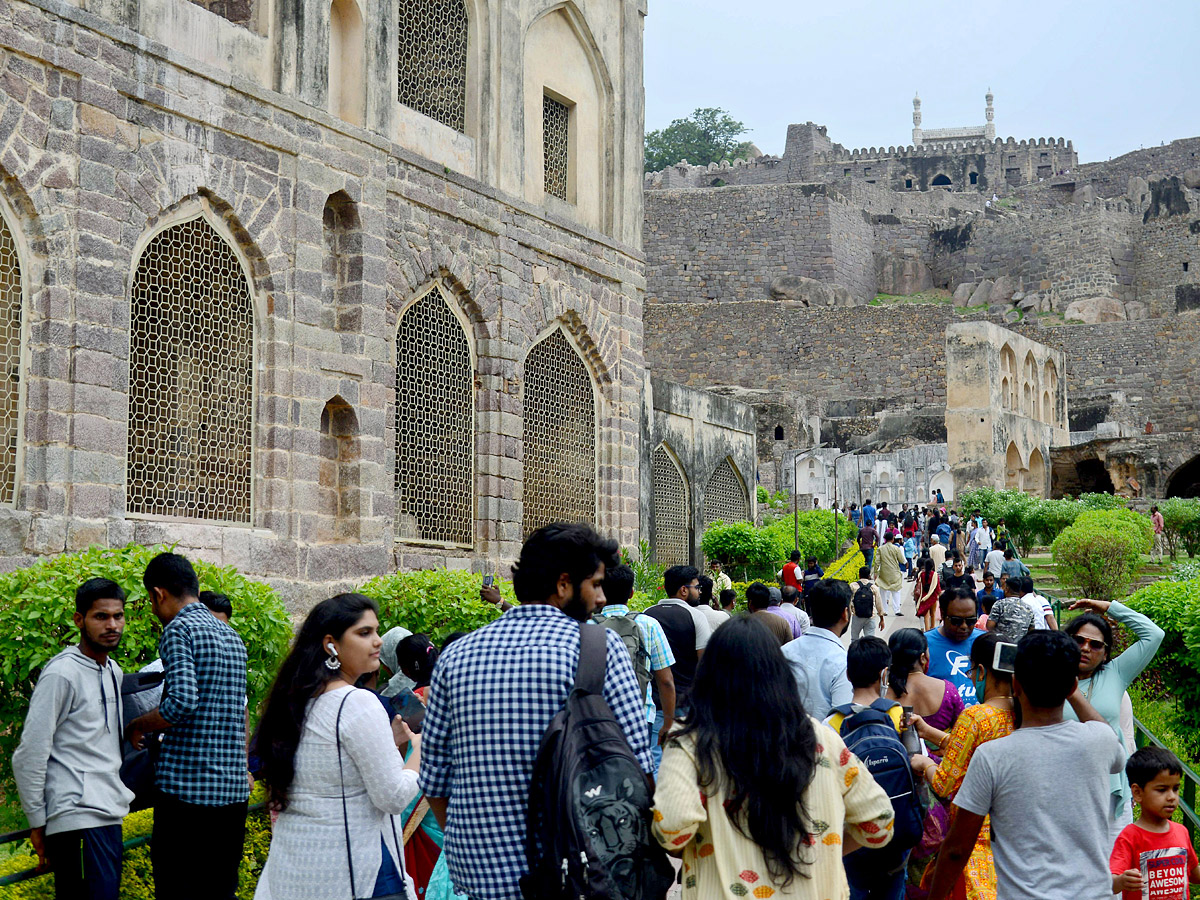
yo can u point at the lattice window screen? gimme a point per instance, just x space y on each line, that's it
559 436
191 379
435 414
432 73
556 118
10 361
672 538
724 498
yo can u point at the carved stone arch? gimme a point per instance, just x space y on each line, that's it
434 427
580 26
560 410
473 288
671 540
1035 479
340 498
1014 467
16 274
194 334
725 495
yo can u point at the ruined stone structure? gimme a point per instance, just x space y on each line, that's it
315 299
1006 407
750 267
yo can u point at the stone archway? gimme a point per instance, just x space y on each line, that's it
1185 481
1013 468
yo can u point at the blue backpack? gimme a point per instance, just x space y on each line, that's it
871 736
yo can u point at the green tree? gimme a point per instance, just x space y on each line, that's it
706 136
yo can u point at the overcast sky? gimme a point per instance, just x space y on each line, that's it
1109 75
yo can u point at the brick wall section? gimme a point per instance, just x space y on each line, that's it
729 244
98 146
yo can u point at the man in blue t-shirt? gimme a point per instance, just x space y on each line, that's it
950 643
869 514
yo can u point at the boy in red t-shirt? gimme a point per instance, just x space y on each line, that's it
1153 859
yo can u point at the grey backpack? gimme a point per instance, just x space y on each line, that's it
631 636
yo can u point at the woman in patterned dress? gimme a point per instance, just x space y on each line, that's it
759 798
976 725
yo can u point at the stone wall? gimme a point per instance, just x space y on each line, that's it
107 136
1167 264
729 244
701 431
1110 178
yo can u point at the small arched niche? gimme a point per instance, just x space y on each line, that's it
341 272
347 51
339 504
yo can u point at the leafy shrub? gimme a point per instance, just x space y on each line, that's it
137 877
1181 525
745 550
1186 571
1175 607
1100 554
1030 520
647 574
434 602
1138 525
37 603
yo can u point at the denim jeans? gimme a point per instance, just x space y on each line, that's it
389 881
655 750
869 881
869 556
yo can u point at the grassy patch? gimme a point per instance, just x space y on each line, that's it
925 298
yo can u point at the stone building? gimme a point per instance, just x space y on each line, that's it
1006 408
318 298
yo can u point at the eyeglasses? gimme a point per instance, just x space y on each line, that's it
1089 643
959 621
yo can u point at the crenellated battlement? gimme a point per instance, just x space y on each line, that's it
943 148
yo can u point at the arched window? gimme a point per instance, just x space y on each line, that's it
672 512
339 498
559 436
1008 374
432 72
1050 392
779 432
191 378
974 178
1029 387
941 181
11 304
725 496
435 424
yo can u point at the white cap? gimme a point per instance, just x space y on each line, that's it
936 539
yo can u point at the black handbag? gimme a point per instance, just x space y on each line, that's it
138 766
403 895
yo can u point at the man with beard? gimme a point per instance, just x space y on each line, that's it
494 693
74 727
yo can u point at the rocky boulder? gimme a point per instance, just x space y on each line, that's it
962 293
1095 310
1192 178
903 273
982 295
1003 290
810 292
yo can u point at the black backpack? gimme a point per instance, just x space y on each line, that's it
864 600
588 822
630 633
871 735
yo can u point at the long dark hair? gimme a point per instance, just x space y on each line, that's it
302 677
764 752
906 645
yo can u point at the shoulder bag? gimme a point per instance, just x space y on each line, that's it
403 895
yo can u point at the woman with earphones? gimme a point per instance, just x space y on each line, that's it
332 765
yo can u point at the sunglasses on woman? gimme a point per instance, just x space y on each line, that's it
1089 643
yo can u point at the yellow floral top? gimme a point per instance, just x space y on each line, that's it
720 863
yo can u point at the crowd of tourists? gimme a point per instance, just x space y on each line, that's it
565 749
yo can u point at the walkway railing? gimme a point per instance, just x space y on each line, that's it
13 836
1187 794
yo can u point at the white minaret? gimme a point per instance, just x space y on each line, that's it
989 130
916 120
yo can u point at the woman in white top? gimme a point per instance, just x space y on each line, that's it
298 742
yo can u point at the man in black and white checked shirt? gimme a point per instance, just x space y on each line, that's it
493 695
201 773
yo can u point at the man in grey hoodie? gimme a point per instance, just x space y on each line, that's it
69 762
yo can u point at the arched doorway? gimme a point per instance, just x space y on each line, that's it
1094 477
941 181
1035 480
1185 481
1012 468
943 481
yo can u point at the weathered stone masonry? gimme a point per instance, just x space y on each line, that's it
106 136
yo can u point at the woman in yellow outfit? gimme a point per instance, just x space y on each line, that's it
759 798
976 725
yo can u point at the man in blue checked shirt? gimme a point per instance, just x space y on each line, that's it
618 588
200 813
493 695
